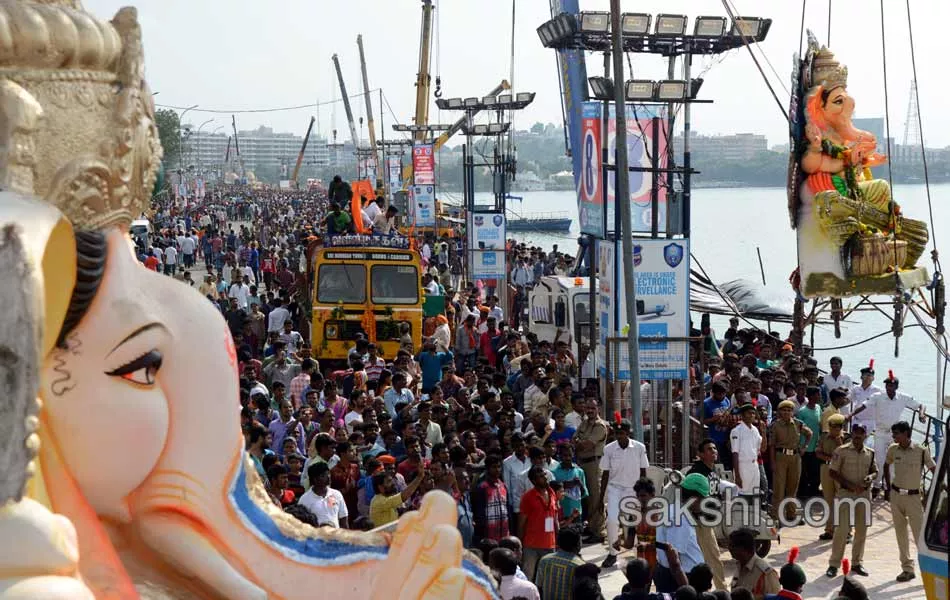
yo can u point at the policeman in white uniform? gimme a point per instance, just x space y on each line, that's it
623 463
859 397
747 442
887 408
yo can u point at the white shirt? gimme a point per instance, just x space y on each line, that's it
624 464
511 468
171 255
276 318
746 441
683 538
371 210
158 253
843 381
573 419
859 396
888 411
327 509
522 484
188 245
497 313
350 418
241 292
512 587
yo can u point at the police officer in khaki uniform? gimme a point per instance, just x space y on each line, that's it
589 440
903 489
755 574
786 449
827 444
853 469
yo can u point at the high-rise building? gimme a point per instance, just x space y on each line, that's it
874 125
261 149
735 147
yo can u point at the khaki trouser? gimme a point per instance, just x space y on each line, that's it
592 504
843 526
787 471
710 549
906 510
829 488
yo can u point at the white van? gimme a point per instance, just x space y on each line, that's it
141 232
561 303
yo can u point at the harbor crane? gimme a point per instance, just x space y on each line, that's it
303 149
369 106
346 103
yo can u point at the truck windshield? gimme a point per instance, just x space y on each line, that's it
341 283
581 310
395 284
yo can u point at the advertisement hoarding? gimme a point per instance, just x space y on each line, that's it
661 288
590 192
422 206
423 164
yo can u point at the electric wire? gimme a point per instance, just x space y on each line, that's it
261 110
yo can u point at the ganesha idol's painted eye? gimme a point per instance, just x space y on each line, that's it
140 371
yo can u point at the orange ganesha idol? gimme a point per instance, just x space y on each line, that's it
122 465
852 237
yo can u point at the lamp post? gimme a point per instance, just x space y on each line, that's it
198 150
181 118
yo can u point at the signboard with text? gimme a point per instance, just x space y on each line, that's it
640 134
590 193
661 288
488 231
394 168
423 164
423 206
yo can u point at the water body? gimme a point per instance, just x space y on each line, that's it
728 225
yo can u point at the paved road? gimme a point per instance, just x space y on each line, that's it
881 560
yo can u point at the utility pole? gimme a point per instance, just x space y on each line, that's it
622 197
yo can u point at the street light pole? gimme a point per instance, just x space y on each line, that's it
622 197
181 118
198 152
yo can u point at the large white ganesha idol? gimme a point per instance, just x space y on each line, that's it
122 464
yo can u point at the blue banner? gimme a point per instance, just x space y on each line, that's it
572 70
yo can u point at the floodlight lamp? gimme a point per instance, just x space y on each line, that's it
602 87
498 128
750 28
525 97
470 102
595 22
671 25
710 27
454 102
504 99
564 26
673 89
546 33
489 101
635 23
480 129
400 127
639 89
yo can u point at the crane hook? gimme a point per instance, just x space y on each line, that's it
438 86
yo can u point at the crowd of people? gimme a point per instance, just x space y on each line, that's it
512 426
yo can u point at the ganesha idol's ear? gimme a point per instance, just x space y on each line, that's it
813 108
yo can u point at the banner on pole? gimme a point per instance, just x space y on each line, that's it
423 206
423 164
661 288
640 152
488 231
590 193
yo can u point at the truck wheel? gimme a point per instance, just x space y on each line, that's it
762 547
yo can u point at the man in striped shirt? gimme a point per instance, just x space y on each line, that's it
373 364
554 575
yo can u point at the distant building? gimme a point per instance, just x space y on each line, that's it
260 149
874 125
735 147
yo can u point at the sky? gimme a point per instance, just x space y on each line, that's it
250 54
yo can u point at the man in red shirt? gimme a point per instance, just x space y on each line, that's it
413 461
537 520
152 261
